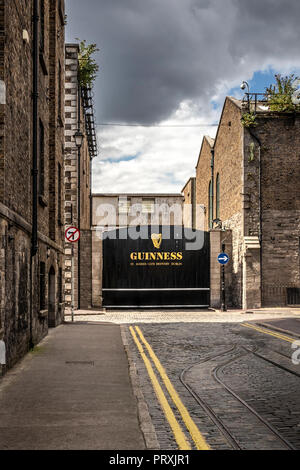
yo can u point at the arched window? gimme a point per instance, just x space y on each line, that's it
210 206
218 197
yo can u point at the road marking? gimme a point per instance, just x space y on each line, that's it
267 332
180 438
196 435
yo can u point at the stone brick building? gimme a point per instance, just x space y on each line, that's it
79 117
31 163
189 194
120 217
248 178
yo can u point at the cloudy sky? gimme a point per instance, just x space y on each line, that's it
169 64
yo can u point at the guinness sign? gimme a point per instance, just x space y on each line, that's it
157 240
155 270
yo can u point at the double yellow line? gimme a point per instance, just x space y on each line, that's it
182 442
268 332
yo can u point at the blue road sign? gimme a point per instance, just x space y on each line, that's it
223 258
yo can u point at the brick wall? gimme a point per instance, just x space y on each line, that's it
74 106
2 106
189 194
280 156
86 268
257 276
56 107
17 288
203 176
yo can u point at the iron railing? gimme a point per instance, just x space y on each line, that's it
90 127
252 100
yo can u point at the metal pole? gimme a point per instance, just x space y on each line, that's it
35 101
223 305
72 288
79 199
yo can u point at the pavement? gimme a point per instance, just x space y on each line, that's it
183 316
72 392
85 386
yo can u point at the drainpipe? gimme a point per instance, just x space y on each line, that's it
259 209
35 97
79 196
91 197
212 165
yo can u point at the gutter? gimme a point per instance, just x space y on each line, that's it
35 98
259 209
212 165
78 196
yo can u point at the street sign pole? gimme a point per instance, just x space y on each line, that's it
223 292
72 285
72 235
223 306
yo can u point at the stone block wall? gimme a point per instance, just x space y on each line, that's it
203 176
74 117
190 211
27 307
86 268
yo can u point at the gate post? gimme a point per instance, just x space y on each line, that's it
97 268
215 268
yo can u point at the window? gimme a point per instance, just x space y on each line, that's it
59 91
42 286
148 206
60 286
42 160
42 25
124 205
210 206
218 197
59 193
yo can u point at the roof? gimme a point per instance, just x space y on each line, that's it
137 195
211 143
74 45
189 180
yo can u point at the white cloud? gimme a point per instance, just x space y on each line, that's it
166 61
165 156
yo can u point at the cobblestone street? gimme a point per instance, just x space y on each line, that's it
239 385
201 349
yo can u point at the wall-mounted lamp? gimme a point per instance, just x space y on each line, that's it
245 85
78 136
217 223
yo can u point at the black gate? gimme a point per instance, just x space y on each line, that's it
158 271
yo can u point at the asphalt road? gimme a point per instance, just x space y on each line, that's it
216 370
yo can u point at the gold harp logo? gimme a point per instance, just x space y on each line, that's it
157 240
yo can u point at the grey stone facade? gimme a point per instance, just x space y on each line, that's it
77 183
30 286
259 202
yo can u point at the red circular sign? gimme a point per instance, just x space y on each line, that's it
72 234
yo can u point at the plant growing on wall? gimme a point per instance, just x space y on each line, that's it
249 120
280 95
88 66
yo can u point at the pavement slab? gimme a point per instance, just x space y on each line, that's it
72 392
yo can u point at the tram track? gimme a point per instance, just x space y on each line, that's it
232 440
208 410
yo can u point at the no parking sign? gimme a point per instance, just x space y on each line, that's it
72 234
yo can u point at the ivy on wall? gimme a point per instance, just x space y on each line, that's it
88 66
279 96
249 120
